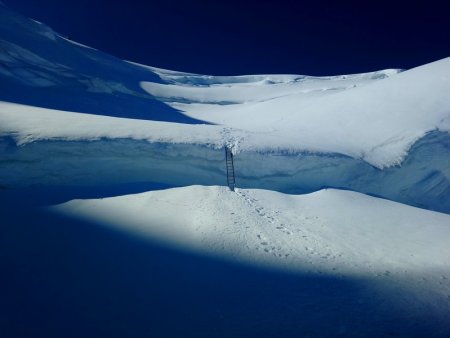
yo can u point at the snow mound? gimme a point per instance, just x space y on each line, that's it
330 233
349 256
334 231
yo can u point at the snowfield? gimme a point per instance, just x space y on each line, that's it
116 220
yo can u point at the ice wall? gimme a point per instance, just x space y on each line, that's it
422 180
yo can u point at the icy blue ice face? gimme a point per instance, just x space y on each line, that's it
422 180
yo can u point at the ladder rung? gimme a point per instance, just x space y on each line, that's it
230 168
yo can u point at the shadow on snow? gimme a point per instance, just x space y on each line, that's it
68 278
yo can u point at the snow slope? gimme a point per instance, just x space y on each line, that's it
340 234
399 110
58 73
354 115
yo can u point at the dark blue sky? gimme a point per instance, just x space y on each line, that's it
244 37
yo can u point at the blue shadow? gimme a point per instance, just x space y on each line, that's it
40 68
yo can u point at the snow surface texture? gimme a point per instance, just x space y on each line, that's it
395 247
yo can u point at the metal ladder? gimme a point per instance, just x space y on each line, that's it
230 168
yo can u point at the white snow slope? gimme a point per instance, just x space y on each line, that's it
375 116
373 120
